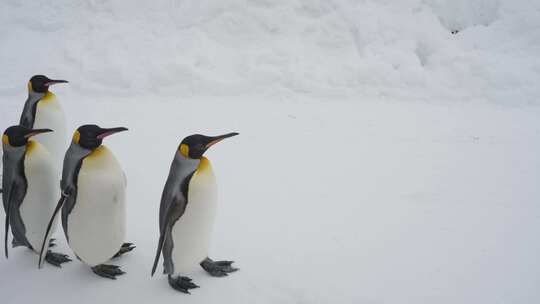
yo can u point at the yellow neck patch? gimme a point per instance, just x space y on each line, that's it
101 158
76 137
204 166
184 150
30 86
99 151
49 96
5 139
30 147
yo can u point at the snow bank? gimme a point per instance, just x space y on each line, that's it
383 49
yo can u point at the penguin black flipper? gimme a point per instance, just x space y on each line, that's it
43 251
70 176
172 207
174 211
8 212
158 251
67 207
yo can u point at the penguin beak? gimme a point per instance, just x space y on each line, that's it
53 81
214 140
108 132
36 132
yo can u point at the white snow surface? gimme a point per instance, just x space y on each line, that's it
381 158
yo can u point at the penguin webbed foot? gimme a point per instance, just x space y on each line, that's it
182 284
218 268
16 243
126 247
108 271
56 258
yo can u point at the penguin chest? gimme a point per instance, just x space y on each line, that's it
97 222
49 114
42 193
193 231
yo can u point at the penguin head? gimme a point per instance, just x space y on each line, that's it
195 145
41 83
18 136
91 136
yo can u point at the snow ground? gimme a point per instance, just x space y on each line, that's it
347 202
381 159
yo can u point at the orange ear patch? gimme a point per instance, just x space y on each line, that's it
184 150
76 137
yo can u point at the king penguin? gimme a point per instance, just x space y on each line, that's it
31 190
93 201
187 212
42 110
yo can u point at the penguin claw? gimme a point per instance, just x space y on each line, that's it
182 284
108 271
218 268
224 263
56 259
126 247
52 243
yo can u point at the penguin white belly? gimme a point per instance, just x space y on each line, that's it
193 231
97 223
49 114
42 193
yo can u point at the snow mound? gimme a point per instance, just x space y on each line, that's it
461 14
337 48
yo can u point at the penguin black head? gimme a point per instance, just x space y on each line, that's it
41 83
91 136
18 136
195 145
